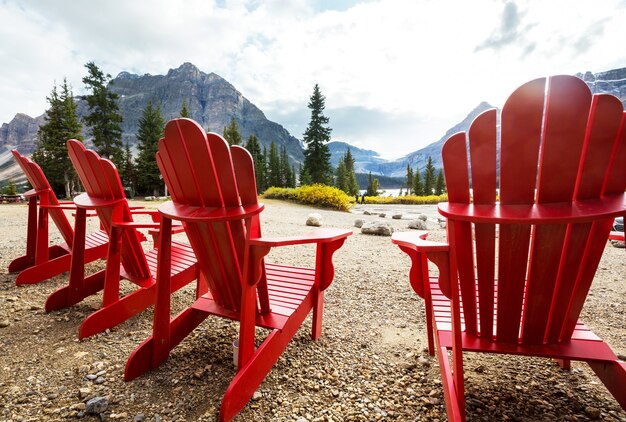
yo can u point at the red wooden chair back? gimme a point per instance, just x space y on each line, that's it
535 276
201 170
102 183
40 183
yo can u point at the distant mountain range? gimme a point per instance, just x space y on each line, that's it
213 101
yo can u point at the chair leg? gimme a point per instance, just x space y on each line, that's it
613 376
142 359
254 371
44 271
115 313
318 310
565 364
21 263
72 294
453 408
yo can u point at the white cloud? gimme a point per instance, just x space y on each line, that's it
423 61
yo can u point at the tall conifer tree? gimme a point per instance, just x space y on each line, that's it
409 179
418 185
231 133
151 126
184 111
127 171
104 118
273 167
317 168
440 183
254 148
61 124
429 177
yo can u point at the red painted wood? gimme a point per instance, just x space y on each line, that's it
562 180
482 138
125 257
214 194
42 261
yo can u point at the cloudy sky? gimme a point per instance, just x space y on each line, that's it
396 73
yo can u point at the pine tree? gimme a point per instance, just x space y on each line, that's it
418 186
184 111
151 126
317 168
352 187
127 169
231 133
409 179
440 183
285 167
104 119
273 167
292 178
341 180
254 148
61 124
429 177
372 186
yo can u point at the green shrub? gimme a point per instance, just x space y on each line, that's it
316 195
407 199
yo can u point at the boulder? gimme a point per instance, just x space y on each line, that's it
422 217
359 222
378 228
382 215
417 225
397 216
366 212
314 220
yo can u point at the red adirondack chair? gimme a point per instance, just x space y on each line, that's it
125 259
514 274
214 194
41 260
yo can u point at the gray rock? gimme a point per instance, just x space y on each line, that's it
615 243
366 212
149 198
422 217
397 216
359 222
4 323
378 228
97 405
257 396
139 417
417 224
382 215
314 220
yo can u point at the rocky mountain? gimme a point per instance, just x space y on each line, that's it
213 101
610 82
363 158
419 158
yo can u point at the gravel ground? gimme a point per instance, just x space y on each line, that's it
370 363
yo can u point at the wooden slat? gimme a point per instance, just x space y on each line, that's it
520 133
482 138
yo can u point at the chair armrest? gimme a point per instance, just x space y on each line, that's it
176 228
417 241
316 236
136 225
60 206
419 250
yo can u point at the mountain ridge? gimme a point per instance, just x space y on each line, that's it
213 101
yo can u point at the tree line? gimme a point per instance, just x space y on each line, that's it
141 175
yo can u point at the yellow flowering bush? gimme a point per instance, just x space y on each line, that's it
316 195
407 199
